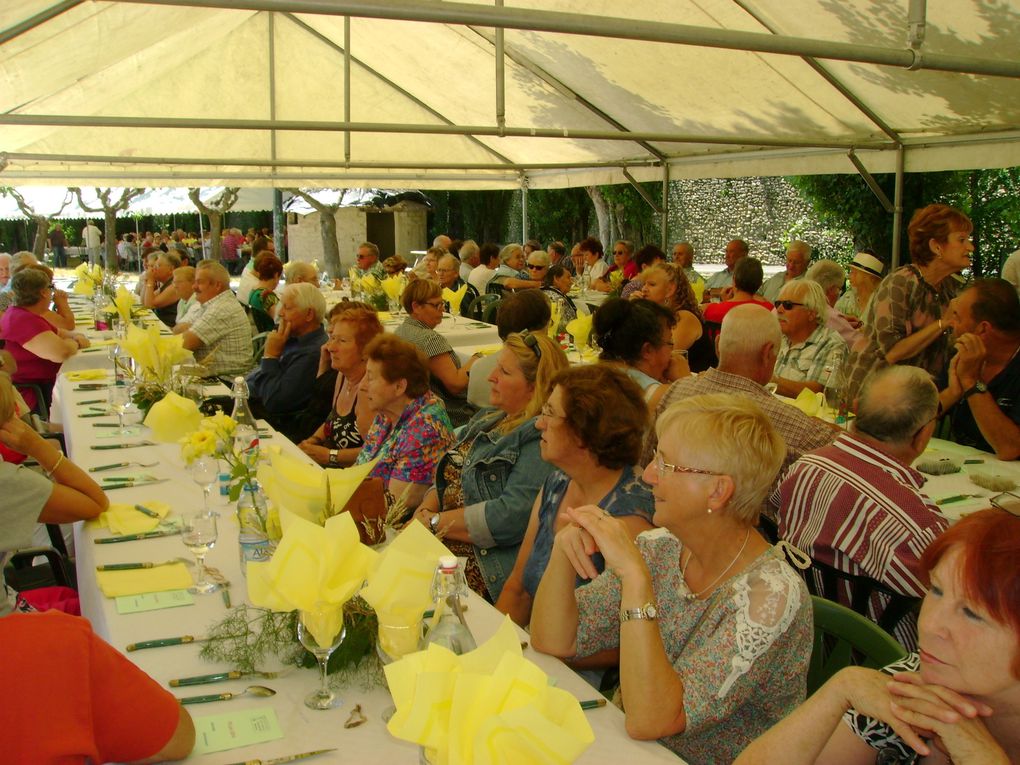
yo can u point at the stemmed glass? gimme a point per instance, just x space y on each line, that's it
321 630
120 402
198 532
395 641
205 471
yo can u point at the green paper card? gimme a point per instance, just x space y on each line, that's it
231 730
153 601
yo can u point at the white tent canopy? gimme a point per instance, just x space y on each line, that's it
432 95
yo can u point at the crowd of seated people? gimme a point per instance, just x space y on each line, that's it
624 510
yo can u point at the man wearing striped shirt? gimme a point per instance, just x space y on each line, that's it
857 505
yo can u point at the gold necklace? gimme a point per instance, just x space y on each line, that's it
683 571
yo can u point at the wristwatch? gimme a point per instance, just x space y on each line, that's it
434 523
647 611
334 455
978 387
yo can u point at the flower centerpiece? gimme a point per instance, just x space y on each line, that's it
370 290
155 357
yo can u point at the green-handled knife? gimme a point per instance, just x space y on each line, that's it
218 677
281 760
133 537
127 484
104 447
163 642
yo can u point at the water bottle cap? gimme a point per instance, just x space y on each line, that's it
448 562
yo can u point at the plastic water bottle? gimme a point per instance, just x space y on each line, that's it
448 628
246 434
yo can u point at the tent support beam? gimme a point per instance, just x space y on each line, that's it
897 229
524 207
60 120
500 76
642 193
664 224
40 18
616 28
5 158
286 179
347 87
438 115
872 183
272 82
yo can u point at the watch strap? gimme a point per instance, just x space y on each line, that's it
978 387
647 612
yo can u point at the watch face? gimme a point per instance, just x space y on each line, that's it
651 611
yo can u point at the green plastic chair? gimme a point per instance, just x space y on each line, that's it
844 638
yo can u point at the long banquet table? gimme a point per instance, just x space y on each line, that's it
303 728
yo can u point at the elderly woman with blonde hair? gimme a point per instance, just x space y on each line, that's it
713 627
809 349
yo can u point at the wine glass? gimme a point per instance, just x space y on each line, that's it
120 402
395 641
205 471
321 630
198 532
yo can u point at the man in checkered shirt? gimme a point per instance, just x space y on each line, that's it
221 335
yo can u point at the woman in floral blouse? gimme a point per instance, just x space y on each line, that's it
903 322
713 627
410 431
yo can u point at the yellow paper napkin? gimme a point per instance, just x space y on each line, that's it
81 375
454 298
400 580
124 519
807 402
394 286
488 350
580 329
172 418
114 584
155 354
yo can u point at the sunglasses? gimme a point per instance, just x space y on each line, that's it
532 342
787 305
535 267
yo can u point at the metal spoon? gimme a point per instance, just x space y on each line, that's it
254 690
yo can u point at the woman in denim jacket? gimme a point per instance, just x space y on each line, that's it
487 482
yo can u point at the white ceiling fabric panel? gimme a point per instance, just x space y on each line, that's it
90 95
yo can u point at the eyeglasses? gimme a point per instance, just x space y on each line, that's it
1007 501
787 305
435 304
547 412
661 466
532 342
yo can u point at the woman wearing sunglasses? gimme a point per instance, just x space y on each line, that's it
958 698
713 627
487 482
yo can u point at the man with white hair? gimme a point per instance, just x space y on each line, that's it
830 276
857 505
748 345
442 241
809 350
798 254
221 335
469 258
92 241
281 384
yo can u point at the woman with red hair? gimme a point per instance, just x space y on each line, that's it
958 698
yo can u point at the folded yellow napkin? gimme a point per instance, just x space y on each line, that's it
580 329
488 350
400 580
554 319
87 374
807 402
394 286
124 519
114 584
315 568
455 298
101 343
155 353
172 418
488 706
384 316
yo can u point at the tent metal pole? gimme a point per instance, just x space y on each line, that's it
235 162
347 87
617 28
272 82
897 228
500 76
664 225
642 192
187 123
511 181
40 18
524 208
872 183
278 221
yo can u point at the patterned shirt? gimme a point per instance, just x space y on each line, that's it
409 450
225 333
432 344
853 507
719 280
902 304
889 747
774 285
800 432
742 653
807 361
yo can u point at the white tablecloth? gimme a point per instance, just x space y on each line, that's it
304 729
954 484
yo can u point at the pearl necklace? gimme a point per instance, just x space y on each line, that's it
683 571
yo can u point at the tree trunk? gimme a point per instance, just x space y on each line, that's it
110 233
215 233
330 247
42 227
602 214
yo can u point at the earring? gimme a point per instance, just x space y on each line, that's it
709 511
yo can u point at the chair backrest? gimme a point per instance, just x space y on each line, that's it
861 590
496 286
490 309
479 304
258 347
842 639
